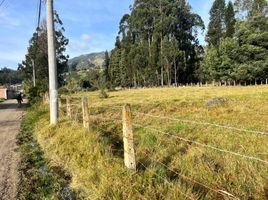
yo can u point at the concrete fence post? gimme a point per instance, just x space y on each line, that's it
59 100
68 107
129 152
85 111
46 98
267 81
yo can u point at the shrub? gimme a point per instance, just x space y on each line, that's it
103 94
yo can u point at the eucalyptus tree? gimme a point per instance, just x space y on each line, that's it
141 37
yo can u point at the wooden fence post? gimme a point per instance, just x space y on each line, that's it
85 111
266 81
129 152
69 107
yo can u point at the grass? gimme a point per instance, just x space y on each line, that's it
38 180
94 159
2 100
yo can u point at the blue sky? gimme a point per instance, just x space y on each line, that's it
91 25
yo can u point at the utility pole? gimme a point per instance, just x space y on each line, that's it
53 84
34 82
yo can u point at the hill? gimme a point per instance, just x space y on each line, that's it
87 61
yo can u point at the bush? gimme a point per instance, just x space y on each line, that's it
63 90
103 94
34 95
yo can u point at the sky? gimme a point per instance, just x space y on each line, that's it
90 25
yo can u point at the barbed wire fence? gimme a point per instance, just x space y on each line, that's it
80 111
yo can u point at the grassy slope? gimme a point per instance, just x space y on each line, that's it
95 159
38 179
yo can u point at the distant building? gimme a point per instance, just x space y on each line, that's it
3 92
10 92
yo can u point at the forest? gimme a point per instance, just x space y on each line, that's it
10 76
157 44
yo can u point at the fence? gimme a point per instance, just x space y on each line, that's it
75 106
223 83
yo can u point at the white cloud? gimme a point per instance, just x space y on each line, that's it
81 44
85 38
95 42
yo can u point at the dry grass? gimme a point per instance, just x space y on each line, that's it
94 159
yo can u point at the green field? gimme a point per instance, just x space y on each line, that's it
184 150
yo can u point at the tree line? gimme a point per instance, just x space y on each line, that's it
157 44
237 42
37 57
10 76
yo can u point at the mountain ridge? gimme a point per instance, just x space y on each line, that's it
87 61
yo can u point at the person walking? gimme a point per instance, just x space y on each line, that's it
19 99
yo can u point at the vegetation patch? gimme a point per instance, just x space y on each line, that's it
167 167
171 163
39 180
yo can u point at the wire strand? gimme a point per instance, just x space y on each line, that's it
192 180
204 145
166 182
203 123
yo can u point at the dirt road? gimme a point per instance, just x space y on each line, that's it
10 119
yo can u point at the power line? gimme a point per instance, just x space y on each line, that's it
2 2
39 14
2 6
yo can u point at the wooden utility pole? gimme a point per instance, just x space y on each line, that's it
53 83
